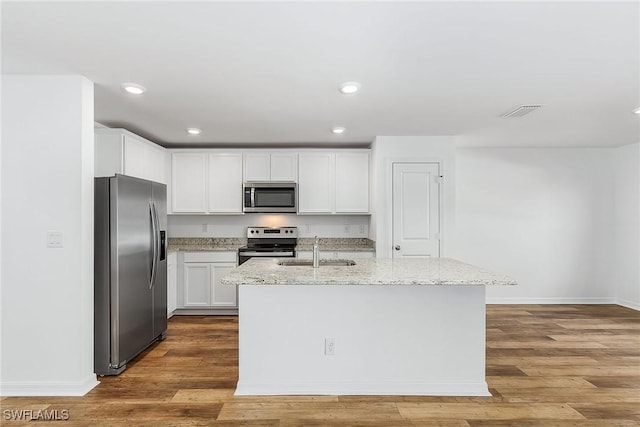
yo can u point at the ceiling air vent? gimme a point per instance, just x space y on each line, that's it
521 111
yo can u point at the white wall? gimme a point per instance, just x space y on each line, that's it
626 190
388 149
543 216
47 185
236 225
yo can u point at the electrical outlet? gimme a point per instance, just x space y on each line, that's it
361 228
329 347
205 228
54 239
346 229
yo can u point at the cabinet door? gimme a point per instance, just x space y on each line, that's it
225 183
315 182
257 166
197 284
223 295
352 182
135 157
155 165
284 167
188 182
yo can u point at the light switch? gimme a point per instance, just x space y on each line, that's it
54 239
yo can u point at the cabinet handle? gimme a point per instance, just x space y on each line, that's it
397 248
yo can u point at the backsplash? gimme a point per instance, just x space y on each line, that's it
350 226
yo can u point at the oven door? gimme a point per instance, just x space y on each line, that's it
245 255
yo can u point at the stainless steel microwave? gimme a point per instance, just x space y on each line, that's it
270 197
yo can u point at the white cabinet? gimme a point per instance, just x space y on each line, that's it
206 182
225 183
329 182
315 182
352 182
336 254
188 182
172 283
270 166
201 287
333 182
120 151
257 166
284 167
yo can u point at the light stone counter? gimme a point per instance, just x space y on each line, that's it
205 244
327 244
430 271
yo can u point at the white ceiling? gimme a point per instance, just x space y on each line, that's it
267 72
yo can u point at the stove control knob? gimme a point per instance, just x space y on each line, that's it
252 231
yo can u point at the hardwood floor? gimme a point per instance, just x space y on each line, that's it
547 365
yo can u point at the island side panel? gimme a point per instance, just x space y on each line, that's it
401 340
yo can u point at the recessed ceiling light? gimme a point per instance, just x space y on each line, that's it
194 131
637 110
348 88
338 130
133 88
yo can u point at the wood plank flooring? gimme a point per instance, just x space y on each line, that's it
547 365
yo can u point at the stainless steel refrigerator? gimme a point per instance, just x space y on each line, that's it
130 269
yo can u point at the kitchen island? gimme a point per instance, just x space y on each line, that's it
382 326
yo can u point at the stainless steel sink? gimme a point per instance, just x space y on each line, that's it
323 262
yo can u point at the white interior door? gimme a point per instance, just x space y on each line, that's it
416 210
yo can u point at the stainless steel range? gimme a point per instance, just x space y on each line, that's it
269 242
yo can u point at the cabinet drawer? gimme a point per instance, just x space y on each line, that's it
210 256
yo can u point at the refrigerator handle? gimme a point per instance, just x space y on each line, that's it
154 244
157 240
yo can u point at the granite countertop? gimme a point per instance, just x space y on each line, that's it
337 245
207 244
430 271
212 244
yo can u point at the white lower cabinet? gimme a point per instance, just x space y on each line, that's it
172 283
201 287
336 254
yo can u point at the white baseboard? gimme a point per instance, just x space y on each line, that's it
551 300
629 304
361 389
48 388
564 300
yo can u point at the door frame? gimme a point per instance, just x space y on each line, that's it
389 197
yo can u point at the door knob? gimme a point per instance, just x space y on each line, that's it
397 248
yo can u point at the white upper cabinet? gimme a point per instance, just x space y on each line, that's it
225 183
329 181
284 167
352 182
206 182
333 182
315 182
120 151
188 182
257 166
270 166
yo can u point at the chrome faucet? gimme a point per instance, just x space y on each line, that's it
316 253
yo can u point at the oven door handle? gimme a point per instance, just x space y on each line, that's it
267 254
